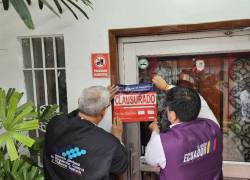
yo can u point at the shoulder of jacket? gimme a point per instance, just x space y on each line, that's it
108 137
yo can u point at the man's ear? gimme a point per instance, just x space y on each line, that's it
102 113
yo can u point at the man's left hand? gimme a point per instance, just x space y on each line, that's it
160 83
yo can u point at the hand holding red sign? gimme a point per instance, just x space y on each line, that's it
154 127
117 128
112 91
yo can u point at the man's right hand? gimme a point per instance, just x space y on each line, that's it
117 128
154 127
160 83
112 91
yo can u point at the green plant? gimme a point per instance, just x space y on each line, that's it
45 114
15 123
20 169
24 13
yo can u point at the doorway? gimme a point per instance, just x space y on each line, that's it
223 82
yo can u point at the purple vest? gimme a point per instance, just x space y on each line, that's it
193 151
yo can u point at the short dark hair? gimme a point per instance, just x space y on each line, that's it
185 102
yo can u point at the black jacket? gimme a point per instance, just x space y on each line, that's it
76 149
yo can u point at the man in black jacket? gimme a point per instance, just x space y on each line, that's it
76 148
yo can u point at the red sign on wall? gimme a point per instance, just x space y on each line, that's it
100 65
135 107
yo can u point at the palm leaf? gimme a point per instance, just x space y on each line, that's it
20 169
40 4
9 94
5 4
1 156
58 6
50 7
23 139
22 115
2 105
29 2
14 121
3 138
6 165
69 9
74 4
33 172
39 177
12 152
35 149
14 99
26 125
88 3
23 106
16 165
25 166
48 113
23 12
32 115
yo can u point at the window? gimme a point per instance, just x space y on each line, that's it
44 70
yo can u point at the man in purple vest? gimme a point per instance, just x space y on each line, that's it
192 148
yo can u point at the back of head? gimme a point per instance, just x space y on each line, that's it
185 102
93 100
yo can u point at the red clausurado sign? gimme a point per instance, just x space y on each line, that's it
100 65
135 107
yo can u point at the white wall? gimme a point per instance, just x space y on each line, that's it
85 37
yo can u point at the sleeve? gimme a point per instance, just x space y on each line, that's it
206 112
154 154
120 160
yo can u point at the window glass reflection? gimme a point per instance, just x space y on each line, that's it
224 82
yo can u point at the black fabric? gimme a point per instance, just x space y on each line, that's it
104 158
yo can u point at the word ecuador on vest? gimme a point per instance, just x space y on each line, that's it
135 103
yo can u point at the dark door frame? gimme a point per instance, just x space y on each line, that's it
114 34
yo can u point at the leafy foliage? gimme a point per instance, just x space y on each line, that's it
24 13
16 121
47 112
19 169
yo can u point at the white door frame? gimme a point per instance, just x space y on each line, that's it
211 42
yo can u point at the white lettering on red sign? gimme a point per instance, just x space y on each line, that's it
135 99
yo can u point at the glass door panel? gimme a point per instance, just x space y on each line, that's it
224 82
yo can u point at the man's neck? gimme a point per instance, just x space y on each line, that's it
172 125
92 119
176 122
